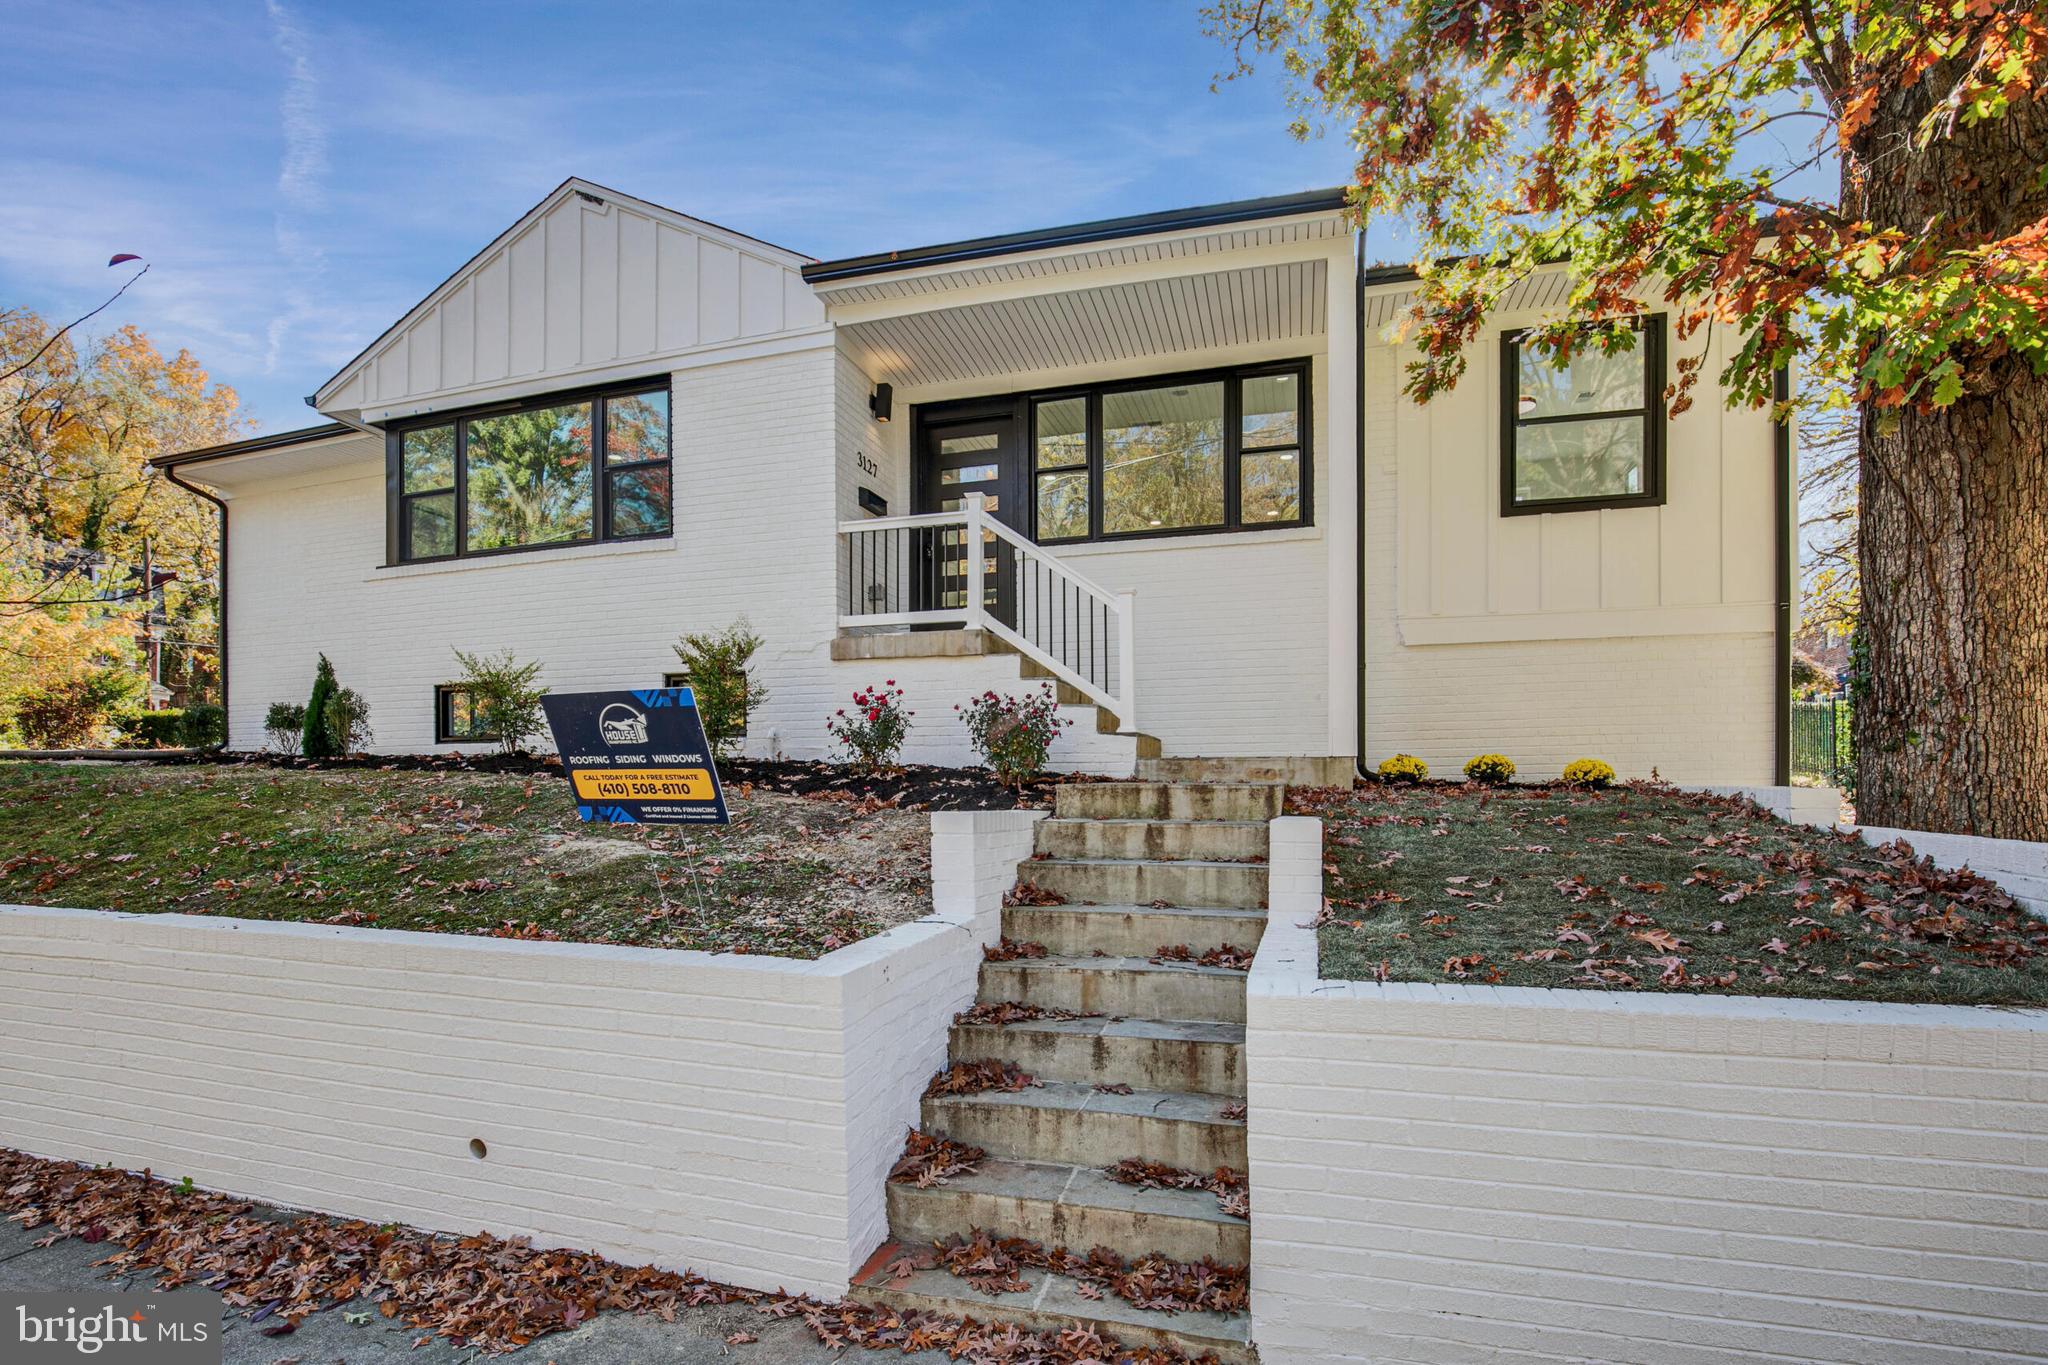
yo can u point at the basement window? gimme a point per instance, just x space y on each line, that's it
526 476
1582 433
457 717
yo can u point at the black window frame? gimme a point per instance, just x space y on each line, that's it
1650 345
1232 379
444 717
682 679
397 501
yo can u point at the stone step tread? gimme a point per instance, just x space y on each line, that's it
1191 863
1167 1030
1215 912
1046 1182
1150 820
1049 1300
1183 1106
1114 964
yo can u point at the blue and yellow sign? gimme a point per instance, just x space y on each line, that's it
637 757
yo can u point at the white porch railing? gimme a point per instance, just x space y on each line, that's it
918 571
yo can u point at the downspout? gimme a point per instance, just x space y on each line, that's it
220 505
1781 451
1358 453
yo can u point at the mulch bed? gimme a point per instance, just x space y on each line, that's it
914 786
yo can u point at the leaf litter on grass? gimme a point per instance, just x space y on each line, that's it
1644 887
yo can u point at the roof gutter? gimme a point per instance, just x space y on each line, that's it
1101 230
220 504
255 444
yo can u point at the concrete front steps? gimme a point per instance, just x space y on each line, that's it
1139 866
1053 1304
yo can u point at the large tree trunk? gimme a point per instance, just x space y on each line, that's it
1952 718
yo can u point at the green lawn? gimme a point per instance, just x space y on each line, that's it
455 852
1651 889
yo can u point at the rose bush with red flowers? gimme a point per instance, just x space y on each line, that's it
872 732
1014 734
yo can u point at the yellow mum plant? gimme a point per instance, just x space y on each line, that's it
1403 768
1587 772
1492 769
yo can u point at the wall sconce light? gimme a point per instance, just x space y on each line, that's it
882 402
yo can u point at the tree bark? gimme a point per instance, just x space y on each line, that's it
1951 720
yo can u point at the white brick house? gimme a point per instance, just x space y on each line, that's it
1209 510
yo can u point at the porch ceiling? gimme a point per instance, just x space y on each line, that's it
1099 326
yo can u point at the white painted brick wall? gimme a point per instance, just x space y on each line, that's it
734 1115
1695 708
1451 1174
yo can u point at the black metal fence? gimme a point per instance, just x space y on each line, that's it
1822 752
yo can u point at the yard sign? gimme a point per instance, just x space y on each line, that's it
637 757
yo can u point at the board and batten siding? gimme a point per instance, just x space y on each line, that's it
1643 636
577 291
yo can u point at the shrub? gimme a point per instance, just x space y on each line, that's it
873 735
1403 768
285 723
1587 772
206 726
316 741
150 729
348 722
72 711
1014 734
1490 769
507 703
720 665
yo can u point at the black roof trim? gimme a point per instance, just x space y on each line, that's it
1102 230
276 440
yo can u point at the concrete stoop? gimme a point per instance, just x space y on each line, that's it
1140 866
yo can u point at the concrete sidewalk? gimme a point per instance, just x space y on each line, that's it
695 1338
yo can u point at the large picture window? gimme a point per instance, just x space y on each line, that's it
528 477
1207 452
1583 433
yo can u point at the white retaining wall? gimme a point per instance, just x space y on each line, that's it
1456 1173
735 1115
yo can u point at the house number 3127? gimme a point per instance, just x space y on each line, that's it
867 466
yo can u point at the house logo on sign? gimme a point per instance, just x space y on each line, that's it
621 724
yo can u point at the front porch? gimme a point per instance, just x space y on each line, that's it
1151 442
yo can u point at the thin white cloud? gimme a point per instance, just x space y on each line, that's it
305 137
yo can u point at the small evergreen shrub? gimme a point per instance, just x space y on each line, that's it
507 703
1490 769
1014 734
348 722
720 665
1587 772
285 723
205 726
873 735
1403 768
315 741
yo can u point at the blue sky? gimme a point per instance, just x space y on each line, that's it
299 174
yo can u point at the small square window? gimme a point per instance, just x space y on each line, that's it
1582 433
457 717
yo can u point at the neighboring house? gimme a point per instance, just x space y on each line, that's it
1206 506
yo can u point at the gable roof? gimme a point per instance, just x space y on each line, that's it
341 393
1076 234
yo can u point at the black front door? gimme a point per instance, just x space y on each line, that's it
970 452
